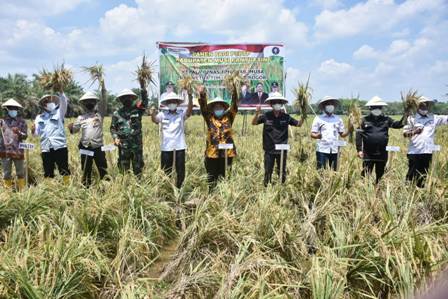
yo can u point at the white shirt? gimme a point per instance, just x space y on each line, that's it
173 130
329 126
423 143
91 126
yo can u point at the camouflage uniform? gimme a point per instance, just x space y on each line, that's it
127 126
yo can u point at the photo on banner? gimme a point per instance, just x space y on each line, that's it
261 66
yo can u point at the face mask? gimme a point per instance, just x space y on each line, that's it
172 106
329 108
423 111
219 113
277 107
12 113
50 107
376 112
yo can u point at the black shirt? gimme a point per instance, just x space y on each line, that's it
373 136
275 129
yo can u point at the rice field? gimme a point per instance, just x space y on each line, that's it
321 235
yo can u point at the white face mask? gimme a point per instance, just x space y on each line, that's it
50 107
329 109
376 112
423 111
12 113
172 106
277 107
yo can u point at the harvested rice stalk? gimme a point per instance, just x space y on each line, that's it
303 96
354 116
234 80
187 83
96 73
410 101
145 73
57 80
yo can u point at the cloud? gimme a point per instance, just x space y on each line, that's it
327 4
374 16
332 68
37 8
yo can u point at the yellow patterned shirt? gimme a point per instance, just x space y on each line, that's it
219 130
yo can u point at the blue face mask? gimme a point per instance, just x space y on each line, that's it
219 113
12 113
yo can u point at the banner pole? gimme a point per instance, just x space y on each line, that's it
281 166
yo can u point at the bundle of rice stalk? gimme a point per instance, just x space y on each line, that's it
187 83
57 80
354 116
234 80
410 101
96 73
145 72
303 97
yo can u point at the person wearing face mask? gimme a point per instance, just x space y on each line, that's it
173 143
219 117
126 129
373 136
49 126
13 131
275 131
91 126
420 130
327 128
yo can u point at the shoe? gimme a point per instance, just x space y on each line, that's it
21 184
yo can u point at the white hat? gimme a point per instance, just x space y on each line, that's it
327 99
171 96
217 100
52 97
376 101
276 96
12 103
424 99
89 96
126 92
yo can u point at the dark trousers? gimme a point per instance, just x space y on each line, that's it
326 160
269 162
418 168
55 158
216 169
379 165
127 156
87 162
166 161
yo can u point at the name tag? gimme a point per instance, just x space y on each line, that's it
282 147
108 148
225 146
86 152
27 146
339 143
435 148
165 121
392 148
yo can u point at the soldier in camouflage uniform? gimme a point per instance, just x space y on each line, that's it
126 130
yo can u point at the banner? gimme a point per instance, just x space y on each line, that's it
261 65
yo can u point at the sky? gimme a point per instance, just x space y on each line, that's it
373 47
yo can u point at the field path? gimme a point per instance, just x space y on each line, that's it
166 253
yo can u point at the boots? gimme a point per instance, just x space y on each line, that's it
21 184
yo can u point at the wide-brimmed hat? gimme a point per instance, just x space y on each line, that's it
126 92
218 100
276 96
12 103
424 99
53 98
171 96
89 96
376 101
327 99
